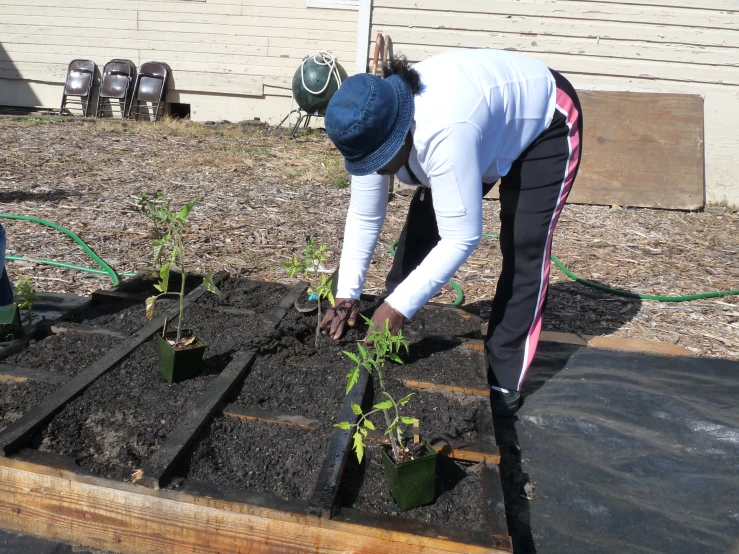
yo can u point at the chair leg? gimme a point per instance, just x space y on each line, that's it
64 101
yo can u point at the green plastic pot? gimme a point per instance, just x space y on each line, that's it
413 483
10 322
178 365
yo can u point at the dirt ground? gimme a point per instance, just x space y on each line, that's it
263 195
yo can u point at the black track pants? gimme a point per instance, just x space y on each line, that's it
532 196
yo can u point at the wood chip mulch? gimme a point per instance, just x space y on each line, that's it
263 196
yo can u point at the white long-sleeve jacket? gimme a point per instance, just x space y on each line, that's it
478 111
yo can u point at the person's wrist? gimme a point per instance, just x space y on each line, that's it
393 308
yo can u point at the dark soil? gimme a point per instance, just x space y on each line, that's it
444 416
264 457
126 414
123 316
297 378
123 417
17 398
66 353
444 322
459 493
441 361
246 294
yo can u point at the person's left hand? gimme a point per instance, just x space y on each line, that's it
387 312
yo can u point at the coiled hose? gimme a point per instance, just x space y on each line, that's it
618 292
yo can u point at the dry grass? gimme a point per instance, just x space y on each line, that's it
263 195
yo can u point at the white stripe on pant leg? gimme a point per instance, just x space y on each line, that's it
550 236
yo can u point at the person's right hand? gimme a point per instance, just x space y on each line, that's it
345 311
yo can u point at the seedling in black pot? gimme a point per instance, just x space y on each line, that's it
181 350
410 468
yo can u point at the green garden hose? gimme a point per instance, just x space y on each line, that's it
617 292
107 270
627 294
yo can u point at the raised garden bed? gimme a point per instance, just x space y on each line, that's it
259 419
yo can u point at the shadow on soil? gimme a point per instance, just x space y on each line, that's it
44 196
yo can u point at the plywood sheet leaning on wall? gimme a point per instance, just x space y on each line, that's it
641 149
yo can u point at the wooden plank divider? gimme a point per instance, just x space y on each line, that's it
118 295
177 444
473 452
493 499
275 317
18 373
18 345
20 431
258 414
323 499
69 327
63 505
472 389
158 468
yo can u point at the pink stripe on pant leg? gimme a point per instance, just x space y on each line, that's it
565 106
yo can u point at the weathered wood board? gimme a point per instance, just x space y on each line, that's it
640 149
59 504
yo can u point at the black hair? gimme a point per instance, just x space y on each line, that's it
400 66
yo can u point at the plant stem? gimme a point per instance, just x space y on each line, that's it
318 323
393 443
181 248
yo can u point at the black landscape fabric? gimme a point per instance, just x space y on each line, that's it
627 453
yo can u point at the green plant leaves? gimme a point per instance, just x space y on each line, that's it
351 379
356 408
182 216
353 357
345 425
403 401
210 284
369 425
386 405
24 293
409 420
359 446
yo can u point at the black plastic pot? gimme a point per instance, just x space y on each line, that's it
178 365
10 322
413 483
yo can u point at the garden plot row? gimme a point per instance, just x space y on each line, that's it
256 425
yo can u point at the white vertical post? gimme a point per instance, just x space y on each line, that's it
364 27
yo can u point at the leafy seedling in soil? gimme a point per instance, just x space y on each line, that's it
24 293
309 267
169 249
385 347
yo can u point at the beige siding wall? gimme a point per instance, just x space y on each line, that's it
230 59
677 46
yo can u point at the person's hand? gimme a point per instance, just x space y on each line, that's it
345 311
394 318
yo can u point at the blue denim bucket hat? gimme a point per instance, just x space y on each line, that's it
368 120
